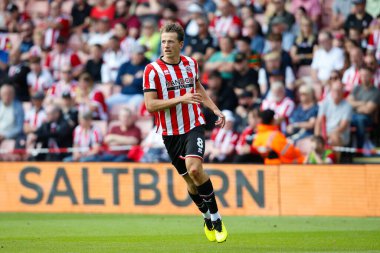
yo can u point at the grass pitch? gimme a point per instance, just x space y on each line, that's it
24 232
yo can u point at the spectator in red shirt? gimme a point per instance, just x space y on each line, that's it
102 9
227 24
245 152
124 133
124 16
57 25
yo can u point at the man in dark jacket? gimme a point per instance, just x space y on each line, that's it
54 134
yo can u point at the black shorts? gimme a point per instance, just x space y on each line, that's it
190 144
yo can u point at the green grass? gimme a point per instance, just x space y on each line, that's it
25 232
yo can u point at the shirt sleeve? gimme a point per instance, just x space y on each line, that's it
150 76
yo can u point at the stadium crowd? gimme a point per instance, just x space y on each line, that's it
293 78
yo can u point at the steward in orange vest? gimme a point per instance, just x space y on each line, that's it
272 144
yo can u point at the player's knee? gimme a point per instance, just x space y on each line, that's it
194 172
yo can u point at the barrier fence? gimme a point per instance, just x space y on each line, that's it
338 190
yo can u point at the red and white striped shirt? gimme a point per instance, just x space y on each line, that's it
171 81
87 137
225 141
374 43
351 78
60 87
40 82
55 61
282 109
96 98
52 34
35 118
222 26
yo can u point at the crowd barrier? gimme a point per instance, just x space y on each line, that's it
338 190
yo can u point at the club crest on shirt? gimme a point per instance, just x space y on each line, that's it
188 69
166 72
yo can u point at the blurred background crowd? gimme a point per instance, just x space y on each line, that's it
294 78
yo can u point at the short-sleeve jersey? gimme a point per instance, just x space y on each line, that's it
171 81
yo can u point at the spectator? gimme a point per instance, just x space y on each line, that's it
202 42
227 24
372 7
334 76
222 60
225 96
196 12
223 141
244 78
355 34
275 71
371 63
148 9
150 38
341 9
280 104
127 43
61 56
38 79
26 43
16 75
56 25
153 148
69 110
280 27
103 9
94 64
351 76
209 7
318 154
246 102
54 134
169 15
253 58
101 33
80 14
334 117
303 48
252 29
113 58
130 77
245 152
15 18
88 98
123 15
38 48
326 59
87 138
11 114
300 15
66 84
365 101
125 133
274 44
303 118
374 39
272 144
312 7
280 11
359 18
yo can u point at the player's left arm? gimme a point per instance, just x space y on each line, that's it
210 104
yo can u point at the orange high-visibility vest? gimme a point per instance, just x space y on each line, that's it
269 138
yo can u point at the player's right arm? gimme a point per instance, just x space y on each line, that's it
154 104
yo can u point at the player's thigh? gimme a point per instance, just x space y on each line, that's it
175 146
195 143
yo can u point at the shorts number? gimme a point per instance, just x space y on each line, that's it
200 142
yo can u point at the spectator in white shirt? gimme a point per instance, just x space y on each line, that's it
113 58
326 59
39 79
351 76
102 32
